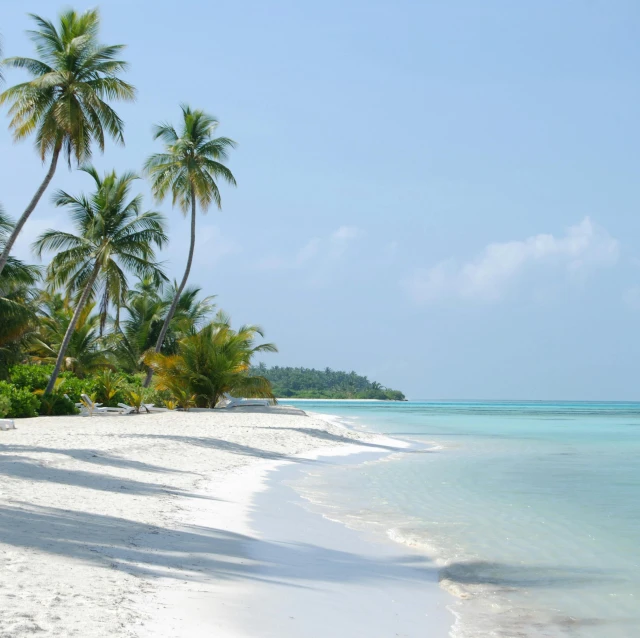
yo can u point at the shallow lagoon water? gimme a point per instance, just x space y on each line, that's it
532 509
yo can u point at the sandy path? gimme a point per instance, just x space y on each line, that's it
88 505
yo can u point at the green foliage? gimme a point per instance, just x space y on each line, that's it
5 405
211 362
136 397
109 388
24 403
192 162
86 351
73 387
30 377
113 237
65 103
56 404
17 307
308 383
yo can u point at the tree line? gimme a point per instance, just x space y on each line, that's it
308 383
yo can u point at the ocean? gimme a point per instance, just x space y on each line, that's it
531 509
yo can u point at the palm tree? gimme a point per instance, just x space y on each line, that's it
214 361
17 295
189 168
65 103
145 312
86 351
113 236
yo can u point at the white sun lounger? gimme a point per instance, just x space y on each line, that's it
88 407
232 402
7 424
149 407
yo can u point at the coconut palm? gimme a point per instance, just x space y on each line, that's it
145 311
189 169
113 236
65 103
17 295
86 352
214 361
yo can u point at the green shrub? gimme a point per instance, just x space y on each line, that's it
109 388
159 398
73 387
24 404
5 405
30 377
56 404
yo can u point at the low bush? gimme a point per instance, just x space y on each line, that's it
56 404
73 387
24 404
30 377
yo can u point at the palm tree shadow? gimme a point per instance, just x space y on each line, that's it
224 445
198 553
31 469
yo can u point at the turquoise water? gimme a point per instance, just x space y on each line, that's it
532 509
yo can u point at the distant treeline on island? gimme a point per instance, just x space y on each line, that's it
307 383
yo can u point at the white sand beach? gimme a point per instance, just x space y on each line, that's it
139 526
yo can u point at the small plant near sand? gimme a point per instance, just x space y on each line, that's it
171 404
136 398
5 406
108 385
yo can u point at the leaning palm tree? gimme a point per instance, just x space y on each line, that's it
212 362
65 103
113 236
188 169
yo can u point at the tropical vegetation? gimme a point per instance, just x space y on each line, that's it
307 383
102 319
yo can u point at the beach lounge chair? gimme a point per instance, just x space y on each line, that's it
89 408
232 402
7 424
126 409
148 407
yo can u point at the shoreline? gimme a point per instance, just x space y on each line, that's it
135 521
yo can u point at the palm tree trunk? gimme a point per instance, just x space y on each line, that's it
183 283
71 327
31 207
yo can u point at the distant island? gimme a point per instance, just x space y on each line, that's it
308 383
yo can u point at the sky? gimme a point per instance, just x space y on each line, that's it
443 196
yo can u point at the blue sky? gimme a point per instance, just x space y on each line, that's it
442 196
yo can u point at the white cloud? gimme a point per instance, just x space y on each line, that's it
308 251
489 276
317 252
341 238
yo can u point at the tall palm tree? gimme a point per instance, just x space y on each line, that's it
214 361
189 169
113 236
65 103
